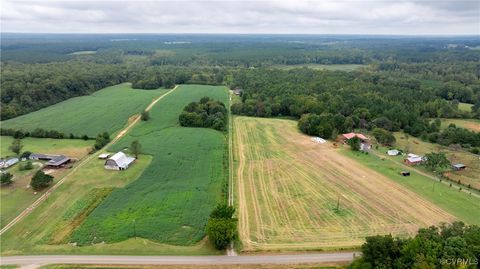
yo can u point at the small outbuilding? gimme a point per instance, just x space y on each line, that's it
459 166
42 157
393 152
58 161
119 161
104 156
413 159
9 162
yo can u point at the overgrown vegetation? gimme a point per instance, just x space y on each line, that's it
6 178
206 113
222 227
453 245
41 180
101 141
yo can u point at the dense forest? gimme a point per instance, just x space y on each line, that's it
404 82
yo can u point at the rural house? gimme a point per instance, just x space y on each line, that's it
119 161
364 143
413 159
237 91
459 166
58 161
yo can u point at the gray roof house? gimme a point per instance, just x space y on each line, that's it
119 161
58 161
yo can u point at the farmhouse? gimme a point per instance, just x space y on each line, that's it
58 161
413 159
364 143
42 157
237 91
393 152
119 161
459 166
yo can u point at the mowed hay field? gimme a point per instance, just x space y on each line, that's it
18 196
106 110
289 186
171 201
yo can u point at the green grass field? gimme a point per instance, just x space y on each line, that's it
106 110
17 197
331 67
172 199
470 124
459 204
69 147
465 107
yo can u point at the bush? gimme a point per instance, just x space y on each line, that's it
145 116
25 166
6 178
102 140
41 180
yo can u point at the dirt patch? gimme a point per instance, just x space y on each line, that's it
295 193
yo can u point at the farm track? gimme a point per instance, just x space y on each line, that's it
44 196
288 188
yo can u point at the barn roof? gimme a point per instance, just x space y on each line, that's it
352 135
121 159
459 165
58 160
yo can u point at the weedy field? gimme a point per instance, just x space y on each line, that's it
106 110
471 175
471 124
296 194
172 199
17 196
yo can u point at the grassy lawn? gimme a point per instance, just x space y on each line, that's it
331 67
70 147
459 204
471 175
16 197
465 107
106 110
471 124
172 199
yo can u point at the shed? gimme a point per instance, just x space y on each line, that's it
58 161
459 166
43 157
10 162
119 161
413 159
104 156
393 152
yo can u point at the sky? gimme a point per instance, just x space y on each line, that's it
377 17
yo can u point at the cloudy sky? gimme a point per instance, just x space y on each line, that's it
437 17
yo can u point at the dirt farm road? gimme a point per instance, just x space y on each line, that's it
178 260
44 196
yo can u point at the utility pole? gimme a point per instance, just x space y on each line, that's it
338 203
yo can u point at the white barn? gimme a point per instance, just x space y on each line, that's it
119 161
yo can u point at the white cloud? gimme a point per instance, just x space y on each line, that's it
285 16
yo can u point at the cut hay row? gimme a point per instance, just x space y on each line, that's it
289 186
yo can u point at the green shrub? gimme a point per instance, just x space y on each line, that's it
41 180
